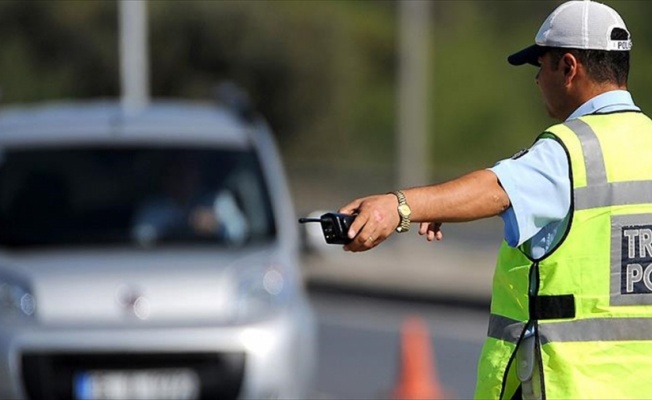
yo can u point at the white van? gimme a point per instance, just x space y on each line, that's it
148 255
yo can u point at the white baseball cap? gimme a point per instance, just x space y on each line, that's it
577 24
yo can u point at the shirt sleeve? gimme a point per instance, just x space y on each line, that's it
538 186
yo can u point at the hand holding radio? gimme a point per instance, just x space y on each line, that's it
335 226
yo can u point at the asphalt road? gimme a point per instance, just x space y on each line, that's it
359 345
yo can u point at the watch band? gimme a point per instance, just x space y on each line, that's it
404 212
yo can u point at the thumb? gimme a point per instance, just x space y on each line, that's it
351 208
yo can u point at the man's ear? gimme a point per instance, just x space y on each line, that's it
569 65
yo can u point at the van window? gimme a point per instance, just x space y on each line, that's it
132 196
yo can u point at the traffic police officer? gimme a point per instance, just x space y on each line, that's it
572 296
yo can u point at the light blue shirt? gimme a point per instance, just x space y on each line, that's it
538 186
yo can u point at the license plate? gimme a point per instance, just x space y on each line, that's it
173 383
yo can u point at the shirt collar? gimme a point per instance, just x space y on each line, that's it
612 101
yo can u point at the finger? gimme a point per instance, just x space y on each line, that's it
366 238
374 241
358 234
439 235
423 228
359 223
362 242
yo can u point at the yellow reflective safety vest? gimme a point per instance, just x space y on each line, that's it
586 305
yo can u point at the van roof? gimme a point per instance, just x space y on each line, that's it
105 122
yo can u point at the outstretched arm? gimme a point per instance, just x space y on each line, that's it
473 196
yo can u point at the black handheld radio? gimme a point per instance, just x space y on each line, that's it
335 226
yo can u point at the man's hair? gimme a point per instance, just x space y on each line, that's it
601 65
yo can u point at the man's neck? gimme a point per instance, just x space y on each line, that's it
598 89
588 92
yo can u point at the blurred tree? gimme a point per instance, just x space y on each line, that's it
289 55
48 50
323 72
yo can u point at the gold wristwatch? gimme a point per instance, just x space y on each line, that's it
404 212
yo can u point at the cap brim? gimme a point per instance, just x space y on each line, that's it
529 55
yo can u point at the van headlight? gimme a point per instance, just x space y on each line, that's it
259 291
16 300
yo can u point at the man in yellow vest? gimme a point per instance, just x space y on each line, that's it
572 295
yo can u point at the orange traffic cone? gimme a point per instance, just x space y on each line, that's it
418 373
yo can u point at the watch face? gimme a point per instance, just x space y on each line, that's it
404 210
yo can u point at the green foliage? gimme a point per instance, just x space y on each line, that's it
307 65
484 108
323 72
48 52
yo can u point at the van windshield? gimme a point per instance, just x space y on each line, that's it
132 196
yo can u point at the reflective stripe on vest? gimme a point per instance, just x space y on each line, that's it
598 192
503 328
595 329
613 194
